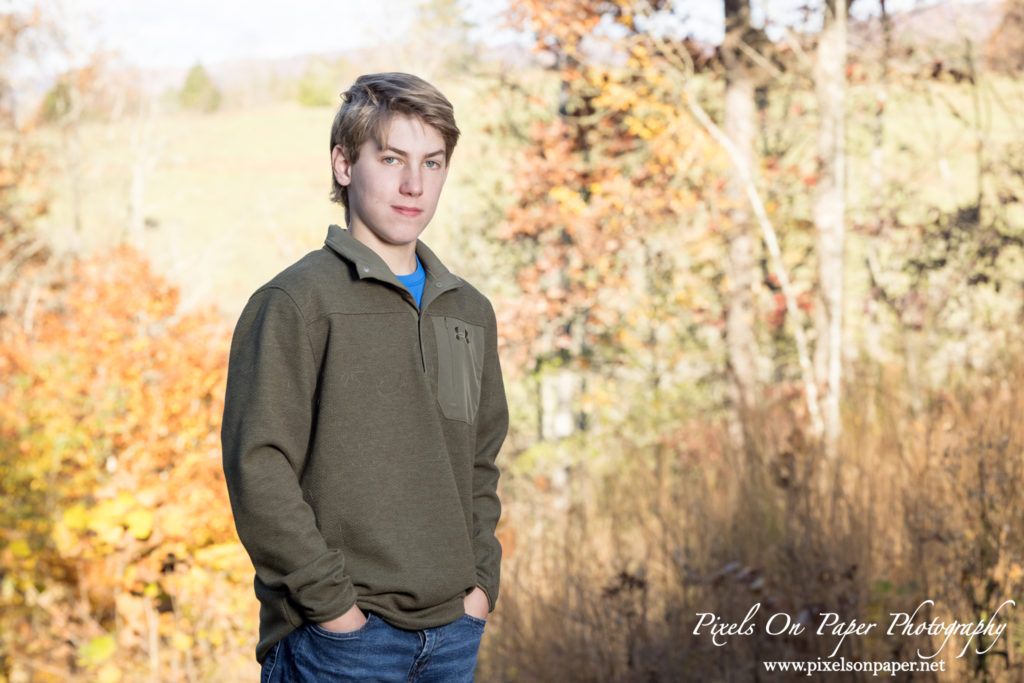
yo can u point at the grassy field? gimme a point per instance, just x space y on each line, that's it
230 198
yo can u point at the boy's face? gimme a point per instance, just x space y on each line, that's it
393 192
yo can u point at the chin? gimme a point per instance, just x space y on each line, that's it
406 234
401 238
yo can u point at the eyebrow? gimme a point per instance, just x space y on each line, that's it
403 153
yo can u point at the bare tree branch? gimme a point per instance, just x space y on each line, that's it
684 65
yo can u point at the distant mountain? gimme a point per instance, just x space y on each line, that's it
942 29
239 72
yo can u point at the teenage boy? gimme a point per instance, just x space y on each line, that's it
363 413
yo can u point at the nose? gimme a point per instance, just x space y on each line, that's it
412 182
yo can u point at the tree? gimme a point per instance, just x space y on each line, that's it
615 227
114 507
739 127
830 211
199 92
1005 48
24 196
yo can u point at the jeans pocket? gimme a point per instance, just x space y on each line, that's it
267 669
475 621
375 652
319 630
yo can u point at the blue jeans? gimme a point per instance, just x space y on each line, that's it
376 652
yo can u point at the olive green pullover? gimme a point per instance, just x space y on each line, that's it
359 440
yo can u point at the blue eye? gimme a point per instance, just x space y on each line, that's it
390 161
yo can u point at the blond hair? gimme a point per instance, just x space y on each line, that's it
368 107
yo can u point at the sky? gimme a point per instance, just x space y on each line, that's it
180 33
176 33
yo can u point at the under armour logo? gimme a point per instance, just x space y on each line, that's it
461 334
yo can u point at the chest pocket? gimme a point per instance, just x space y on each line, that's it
460 364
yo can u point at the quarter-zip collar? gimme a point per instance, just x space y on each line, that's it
369 265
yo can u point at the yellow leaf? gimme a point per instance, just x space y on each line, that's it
20 548
75 517
140 523
97 650
107 520
65 540
568 198
222 556
561 193
215 637
174 521
181 642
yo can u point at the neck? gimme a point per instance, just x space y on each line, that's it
400 258
401 261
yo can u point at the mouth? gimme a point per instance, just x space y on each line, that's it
407 211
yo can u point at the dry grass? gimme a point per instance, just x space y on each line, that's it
607 573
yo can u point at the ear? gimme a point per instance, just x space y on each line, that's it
342 167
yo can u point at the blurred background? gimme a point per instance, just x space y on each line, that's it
758 271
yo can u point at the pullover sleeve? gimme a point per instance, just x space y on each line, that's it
492 426
268 420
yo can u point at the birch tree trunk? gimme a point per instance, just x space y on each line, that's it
739 128
872 340
829 213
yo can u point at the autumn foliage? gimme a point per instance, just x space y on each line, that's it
609 227
23 192
119 552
